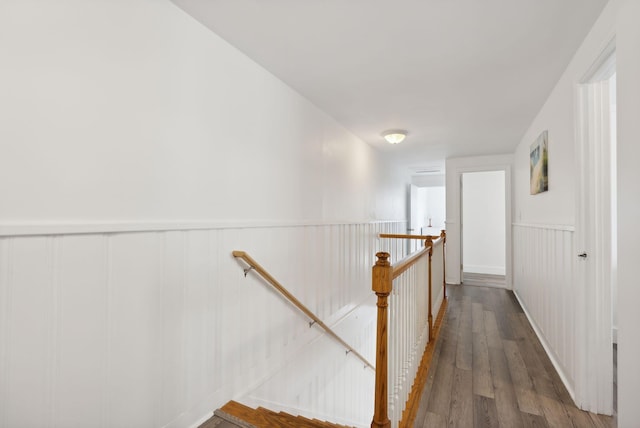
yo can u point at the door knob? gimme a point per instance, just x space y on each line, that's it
583 255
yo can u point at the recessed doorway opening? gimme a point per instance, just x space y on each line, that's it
483 228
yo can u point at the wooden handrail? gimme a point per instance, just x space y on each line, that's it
275 284
406 263
403 236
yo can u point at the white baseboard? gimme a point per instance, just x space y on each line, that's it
488 270
452 281
488 285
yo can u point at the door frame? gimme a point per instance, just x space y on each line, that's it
594 353
455 167
462 225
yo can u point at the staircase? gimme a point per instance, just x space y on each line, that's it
234 414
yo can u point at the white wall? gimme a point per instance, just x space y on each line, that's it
455 167
138 150
136 111
557 206
554 210
628 70
483 220
428 180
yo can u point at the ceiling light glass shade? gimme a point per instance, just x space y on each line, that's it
394 137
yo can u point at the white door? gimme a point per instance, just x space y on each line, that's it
594 237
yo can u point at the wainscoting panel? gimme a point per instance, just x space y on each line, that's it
30 330
157 328
543 258
83 334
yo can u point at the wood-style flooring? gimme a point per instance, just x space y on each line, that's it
490 370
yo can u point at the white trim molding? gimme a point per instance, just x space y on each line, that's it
46 228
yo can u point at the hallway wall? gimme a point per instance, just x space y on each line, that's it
136 112
139 150
628 68
553 212
545 223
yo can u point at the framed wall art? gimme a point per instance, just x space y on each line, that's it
539 164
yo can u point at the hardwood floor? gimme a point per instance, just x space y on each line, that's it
490 370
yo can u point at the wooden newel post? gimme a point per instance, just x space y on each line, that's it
382 285
429 243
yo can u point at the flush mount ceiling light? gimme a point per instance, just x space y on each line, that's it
394 136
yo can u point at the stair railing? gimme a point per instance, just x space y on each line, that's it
414 242
409 292
253 265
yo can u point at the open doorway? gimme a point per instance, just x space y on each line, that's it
483 218
427 209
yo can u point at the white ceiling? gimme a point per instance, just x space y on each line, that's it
464 77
